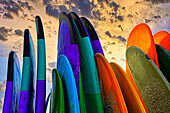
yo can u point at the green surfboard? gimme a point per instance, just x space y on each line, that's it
152 85
90 81
57 97
164 61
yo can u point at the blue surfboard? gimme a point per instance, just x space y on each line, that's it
12 93
69 85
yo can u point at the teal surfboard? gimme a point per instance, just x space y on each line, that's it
57 97
12 93
164 61
27 96
90 80
152 85
41 67
69 85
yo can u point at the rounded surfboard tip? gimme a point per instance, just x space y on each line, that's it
72 29
90 29
10 66
79 24
40 31
26 52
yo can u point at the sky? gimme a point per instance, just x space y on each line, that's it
113 20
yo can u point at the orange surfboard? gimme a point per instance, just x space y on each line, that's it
113 100
162 38
133 102
142 38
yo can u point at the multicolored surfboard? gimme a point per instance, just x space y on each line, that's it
113 100
152 85
57 95
164 61
69 85
142 38
90 81
95 42
133 102
68 44
27 92
41 67
162 38
12 93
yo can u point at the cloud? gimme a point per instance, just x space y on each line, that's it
4 32
108 34
25 4
8 15
52 64
19 32
158 1
113 4
63 8
52 11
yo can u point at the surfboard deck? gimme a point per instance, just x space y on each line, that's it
69 85
41 67
12 92
152 85
57 95
113 100
164 61
95 42
90 81
133 102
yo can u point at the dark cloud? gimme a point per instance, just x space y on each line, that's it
119 17
52 64
113 4
63 8
85 8
158 1
19 32
108 34
46 1
147 20
4 32
157 16
52 11
96 14
25 4
121 38
8 15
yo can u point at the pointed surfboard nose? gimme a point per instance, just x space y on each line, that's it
10 66
39 26
26 44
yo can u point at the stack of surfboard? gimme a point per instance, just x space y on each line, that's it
84 81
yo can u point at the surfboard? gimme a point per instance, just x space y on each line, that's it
142 38
113 100
95 42
12 93
47 101
162 38
27 92
90 81
57 95
152 85
164 61
41 67
68 44
69 85
133 102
